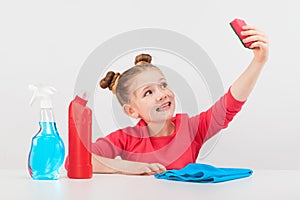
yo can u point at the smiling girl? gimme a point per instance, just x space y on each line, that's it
160 140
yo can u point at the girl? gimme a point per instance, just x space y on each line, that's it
161 141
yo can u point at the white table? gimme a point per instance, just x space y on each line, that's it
263 184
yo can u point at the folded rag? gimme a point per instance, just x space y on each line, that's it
203 173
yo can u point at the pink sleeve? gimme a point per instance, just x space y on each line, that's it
217 117
110 146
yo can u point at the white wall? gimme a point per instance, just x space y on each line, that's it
49 42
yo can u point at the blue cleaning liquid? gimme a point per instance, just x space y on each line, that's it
47 153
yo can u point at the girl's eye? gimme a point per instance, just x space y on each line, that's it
164 85
148 92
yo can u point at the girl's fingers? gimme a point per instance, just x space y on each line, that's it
254 38
252 32
161 167
154 168
147 170
248 27
158 166
258 45
150 169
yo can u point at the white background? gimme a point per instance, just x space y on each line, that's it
48 42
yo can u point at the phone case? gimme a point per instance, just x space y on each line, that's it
237 25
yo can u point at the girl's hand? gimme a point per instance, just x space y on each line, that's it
260 43
140 168
108 165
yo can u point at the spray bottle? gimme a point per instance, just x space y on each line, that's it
47 150
80 135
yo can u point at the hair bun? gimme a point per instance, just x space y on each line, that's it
110 80
142 59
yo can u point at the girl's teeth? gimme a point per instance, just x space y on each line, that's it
163 106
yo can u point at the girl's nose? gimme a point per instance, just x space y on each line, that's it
161 94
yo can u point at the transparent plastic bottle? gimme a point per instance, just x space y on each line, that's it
47 150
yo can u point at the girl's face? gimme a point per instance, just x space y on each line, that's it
152 99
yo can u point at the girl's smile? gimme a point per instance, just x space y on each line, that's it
164 107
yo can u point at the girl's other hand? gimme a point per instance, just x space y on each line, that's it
119 166
260 43
139 168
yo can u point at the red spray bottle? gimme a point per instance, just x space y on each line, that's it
80 135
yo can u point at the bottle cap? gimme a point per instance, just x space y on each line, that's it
43 93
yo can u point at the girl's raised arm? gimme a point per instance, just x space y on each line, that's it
243 86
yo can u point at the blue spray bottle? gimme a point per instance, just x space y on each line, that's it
47 150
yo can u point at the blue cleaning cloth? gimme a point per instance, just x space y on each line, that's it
203 173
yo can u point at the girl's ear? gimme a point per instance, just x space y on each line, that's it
130 111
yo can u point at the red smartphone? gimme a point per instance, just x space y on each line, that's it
237 25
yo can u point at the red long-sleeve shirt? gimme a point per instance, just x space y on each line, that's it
173 151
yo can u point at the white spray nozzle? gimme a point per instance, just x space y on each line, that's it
43 93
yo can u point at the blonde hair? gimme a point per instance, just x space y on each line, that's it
119 84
